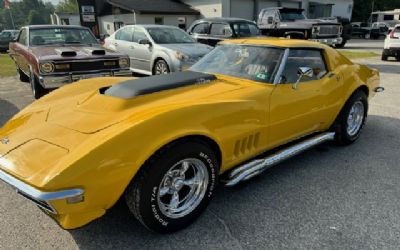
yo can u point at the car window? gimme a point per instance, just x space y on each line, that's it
303 58
246 29
125 34
169 35
22 39
201 28
243 61
139 35
61 35
220 29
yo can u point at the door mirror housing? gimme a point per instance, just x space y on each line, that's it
303 72
145 42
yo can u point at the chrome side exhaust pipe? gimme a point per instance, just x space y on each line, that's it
257 166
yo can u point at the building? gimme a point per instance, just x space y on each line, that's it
391 17
106 16
65 19
249 9
113 14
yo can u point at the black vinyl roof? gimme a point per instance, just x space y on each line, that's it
154 6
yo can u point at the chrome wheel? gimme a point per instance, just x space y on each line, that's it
161 68
355 118
183 188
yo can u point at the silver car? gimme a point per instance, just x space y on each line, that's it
157 49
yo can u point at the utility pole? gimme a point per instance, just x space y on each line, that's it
372 10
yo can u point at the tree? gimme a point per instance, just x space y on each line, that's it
35 17
68 6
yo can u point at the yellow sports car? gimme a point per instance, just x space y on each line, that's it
163 142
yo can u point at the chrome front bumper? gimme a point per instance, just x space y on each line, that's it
328 41
40 198
56 81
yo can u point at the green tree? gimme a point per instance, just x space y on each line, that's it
67 6
35 17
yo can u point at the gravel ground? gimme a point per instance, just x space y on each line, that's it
327 198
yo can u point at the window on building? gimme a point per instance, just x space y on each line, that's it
221 29
118 25
388 17
201 28
159 20
108 26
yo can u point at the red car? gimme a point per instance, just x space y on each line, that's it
49 56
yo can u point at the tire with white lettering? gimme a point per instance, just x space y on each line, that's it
174 186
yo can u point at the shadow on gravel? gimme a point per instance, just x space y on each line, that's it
332 196
7 110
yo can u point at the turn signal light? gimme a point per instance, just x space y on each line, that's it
62 66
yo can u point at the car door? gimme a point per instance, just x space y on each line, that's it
200 32
123 42
20 51
141 53
303 105
219 32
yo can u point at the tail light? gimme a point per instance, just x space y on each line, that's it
393 36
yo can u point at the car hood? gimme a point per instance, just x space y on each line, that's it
71 52
190 49
77 117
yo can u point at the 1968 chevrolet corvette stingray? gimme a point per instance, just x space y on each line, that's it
163 142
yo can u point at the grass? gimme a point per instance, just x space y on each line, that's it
7 66
358 54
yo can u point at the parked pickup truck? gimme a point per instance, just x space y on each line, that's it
292 23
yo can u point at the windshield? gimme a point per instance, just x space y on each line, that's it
246 29
50 36
292 16
169 35
244 61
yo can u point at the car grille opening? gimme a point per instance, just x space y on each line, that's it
329 30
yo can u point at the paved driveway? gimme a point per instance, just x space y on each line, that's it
327 198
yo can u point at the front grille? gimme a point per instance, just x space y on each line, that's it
329 30
89 66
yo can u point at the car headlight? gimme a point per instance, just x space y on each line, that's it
316 29
180 56
123 63
46 67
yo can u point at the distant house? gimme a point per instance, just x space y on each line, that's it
65 19
391 17
106 16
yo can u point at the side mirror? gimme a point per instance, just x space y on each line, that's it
145 42
270 20
303 72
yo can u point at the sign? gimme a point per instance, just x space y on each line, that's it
89 18
87 9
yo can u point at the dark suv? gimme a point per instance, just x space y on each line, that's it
212 30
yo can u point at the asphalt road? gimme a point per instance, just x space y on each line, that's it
327 198
365 44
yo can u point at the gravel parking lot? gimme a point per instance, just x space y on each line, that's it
327 198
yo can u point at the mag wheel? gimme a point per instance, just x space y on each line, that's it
161 67
174 187
351 119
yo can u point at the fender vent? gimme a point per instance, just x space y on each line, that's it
246 144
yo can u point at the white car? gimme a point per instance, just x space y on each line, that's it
157 49
392 44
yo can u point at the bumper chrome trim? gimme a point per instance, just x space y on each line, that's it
57 80
40 198
329 41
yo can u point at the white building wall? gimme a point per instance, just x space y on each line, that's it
342 8
107 22
208 8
